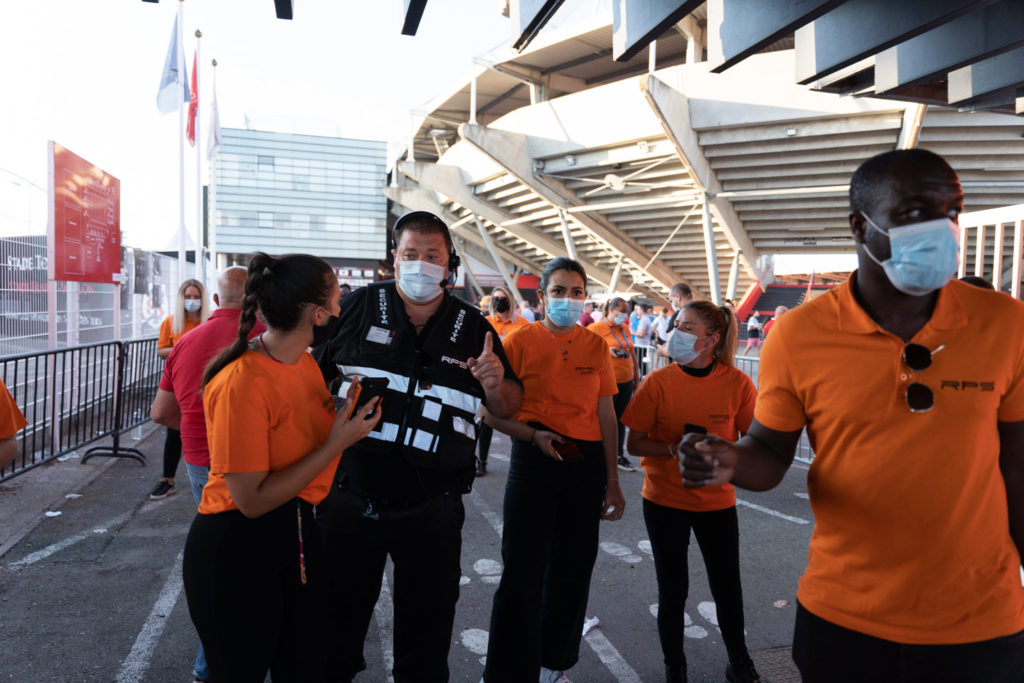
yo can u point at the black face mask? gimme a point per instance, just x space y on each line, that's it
501 305
325 333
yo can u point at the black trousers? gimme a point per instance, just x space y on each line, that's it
172 453
552 516
826 652
621 401
425 545
486 433
717 534
246 599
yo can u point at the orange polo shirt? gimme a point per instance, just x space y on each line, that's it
167 338
11 419
563 375
668 399
262 415
620 337
912 540
504 328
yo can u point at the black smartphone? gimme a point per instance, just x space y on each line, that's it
694 429
367 389
567 449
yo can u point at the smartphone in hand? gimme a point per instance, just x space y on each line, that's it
567 449
694 429
368 389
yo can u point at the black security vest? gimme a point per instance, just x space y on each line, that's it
432 397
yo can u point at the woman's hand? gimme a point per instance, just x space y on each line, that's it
614 502
346 431
542 440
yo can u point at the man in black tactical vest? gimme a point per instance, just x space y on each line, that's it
399 491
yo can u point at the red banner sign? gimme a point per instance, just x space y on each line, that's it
85 220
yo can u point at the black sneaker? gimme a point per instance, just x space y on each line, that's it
743 672
163 489
625 465
481 468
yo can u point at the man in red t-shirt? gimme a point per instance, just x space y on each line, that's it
178 403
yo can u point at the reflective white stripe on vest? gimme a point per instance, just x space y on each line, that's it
386 431
396 382
452 397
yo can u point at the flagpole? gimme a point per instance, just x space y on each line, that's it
179 58
200 260
212 208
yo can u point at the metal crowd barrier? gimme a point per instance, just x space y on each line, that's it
74 396
750 365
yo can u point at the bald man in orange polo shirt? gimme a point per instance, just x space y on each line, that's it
911 387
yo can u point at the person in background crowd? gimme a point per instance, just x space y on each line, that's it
911 387
398 492
252 569
11 422
485 304
700 392
615 332
642 330
597 314
179 402
779 310
527 312
587 317
504 321
678 296
753 333
661 328
345 289
978 282
561 482
191 308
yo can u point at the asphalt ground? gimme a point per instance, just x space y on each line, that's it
94 593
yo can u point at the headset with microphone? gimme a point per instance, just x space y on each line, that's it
426 217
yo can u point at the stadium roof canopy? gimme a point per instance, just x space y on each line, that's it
654 168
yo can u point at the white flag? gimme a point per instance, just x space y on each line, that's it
173 83
214 141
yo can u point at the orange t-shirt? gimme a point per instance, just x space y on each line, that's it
504 328
617 337
167 338
668 399
563 375
912 540
262 415
11 419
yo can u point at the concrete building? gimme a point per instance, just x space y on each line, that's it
282 193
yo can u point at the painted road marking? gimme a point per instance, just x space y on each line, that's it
621 552
489 570
773 513
135 665
53 548
802 495
645 547
610 657
492 517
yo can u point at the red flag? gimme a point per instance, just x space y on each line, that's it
193 106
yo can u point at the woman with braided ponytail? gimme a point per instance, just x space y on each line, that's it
253 567
701 393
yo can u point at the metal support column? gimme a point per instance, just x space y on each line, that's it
472 97
470 275
499 264
570 246
709 248
614 284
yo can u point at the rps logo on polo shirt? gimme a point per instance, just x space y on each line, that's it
968 385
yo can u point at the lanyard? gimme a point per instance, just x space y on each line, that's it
625 339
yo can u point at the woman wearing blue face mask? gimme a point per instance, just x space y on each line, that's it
562 481
614 329
700 392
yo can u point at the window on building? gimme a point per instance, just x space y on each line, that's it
266 219
266 163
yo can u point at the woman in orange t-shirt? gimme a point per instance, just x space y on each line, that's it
190 309
700 393
561 482
253 569
614 328
504 321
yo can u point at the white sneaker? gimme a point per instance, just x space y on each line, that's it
549 676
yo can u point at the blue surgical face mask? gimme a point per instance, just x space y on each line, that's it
420 281
923 256
193 305
680 346
620 318
564 312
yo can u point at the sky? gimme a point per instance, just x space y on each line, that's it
84 73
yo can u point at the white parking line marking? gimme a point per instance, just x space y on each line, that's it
42 554
492 517
135 665
802 495
621 552
610 657
773 513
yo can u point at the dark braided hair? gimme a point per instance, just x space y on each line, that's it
279 288
720 320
